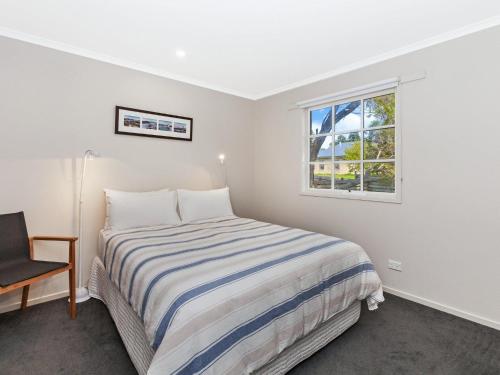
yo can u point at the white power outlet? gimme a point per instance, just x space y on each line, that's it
395 265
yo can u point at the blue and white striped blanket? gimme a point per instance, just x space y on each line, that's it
226 296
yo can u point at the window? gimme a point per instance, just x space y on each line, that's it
352 147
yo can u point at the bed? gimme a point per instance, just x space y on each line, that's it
229 295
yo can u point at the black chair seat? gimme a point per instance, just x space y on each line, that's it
23 269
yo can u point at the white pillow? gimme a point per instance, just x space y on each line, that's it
126 210
207 204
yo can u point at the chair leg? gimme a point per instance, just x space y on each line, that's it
24 301
72 294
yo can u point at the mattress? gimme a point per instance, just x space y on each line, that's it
228 296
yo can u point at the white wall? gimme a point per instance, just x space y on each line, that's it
54 106
446 230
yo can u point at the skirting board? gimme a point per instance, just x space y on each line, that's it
34 301
445 308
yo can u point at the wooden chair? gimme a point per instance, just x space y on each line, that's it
18 269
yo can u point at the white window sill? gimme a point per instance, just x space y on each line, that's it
364 196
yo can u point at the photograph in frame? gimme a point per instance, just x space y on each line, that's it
131 121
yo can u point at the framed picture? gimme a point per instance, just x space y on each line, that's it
132 121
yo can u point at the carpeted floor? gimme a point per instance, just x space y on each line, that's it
401 337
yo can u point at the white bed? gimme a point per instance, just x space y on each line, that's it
306 291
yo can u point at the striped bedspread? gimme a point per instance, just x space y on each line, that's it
228 295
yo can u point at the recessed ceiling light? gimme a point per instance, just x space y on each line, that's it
180 53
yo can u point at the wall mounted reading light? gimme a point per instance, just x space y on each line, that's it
222 160
82 294
180 53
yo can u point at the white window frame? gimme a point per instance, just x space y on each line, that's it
364 92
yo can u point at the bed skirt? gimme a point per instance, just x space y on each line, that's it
133 335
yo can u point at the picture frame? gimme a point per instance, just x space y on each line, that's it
132 121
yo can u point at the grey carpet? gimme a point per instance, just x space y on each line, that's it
401 337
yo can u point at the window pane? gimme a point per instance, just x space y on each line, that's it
320 176
379 111
320 148
320 121
379 144
348 146
347 176
379 177
348 116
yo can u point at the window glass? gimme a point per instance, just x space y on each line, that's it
348 116
348 146
379 177
380 110
320 121
320 148
379 144
347 176
320 176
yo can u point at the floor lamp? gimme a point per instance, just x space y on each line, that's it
82 293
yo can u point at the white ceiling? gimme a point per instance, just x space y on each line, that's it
248 48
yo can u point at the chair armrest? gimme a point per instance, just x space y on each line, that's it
70 239
53 238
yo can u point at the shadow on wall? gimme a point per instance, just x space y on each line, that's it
47 189
135 175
